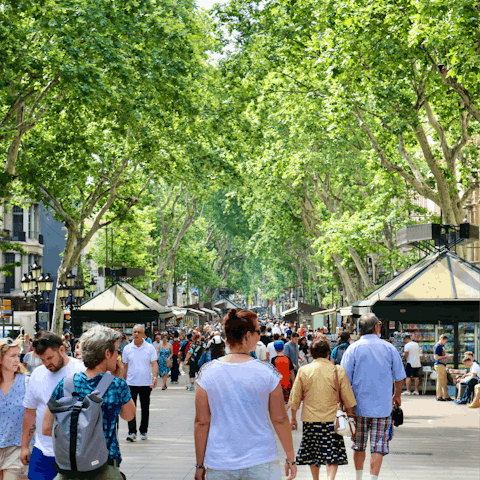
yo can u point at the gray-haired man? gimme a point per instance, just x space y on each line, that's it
140 361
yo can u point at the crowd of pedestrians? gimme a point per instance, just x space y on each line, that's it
293 369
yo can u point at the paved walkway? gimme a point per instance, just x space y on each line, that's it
437 440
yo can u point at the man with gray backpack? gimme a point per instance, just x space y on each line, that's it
84 410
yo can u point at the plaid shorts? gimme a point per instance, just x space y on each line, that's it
379 434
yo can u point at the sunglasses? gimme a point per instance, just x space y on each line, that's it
117 350
256 331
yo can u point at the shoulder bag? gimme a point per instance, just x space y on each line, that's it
344 425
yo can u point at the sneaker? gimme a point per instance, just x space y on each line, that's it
448 399
415 393
406 392
441 400
460 402
143 436
192 388
132 437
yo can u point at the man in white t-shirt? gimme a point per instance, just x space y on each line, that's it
271 352
261 351
276 329
56 366
412 354
141 370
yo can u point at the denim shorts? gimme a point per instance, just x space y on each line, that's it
264 471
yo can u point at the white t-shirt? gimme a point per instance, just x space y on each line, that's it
40 388
275 330
261 351
475 368
240 434
413 354
139 359
271 350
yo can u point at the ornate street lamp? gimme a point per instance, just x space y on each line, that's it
37 287
71 293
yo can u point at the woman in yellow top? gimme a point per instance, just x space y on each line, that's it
315 386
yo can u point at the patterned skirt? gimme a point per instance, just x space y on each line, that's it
321 445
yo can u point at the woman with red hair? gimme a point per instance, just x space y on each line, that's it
237 397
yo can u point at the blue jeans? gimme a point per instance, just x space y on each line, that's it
40 466
264 471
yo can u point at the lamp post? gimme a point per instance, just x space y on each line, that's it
71 293
36 287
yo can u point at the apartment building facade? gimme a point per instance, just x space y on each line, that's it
20 225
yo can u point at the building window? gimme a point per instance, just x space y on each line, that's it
33 221
17 222
9 279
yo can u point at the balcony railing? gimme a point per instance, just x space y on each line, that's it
19 237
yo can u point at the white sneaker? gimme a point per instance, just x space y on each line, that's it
131 437
406 392
415 393
143 436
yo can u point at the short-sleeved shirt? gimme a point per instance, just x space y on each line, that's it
439 350
31 362
372 365
240 434
271 350
117 395
39 391
175 346
284 365
11 413
139 360
475 368
413 350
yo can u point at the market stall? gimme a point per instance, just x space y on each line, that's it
439 294
121 307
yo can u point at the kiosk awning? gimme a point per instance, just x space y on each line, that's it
325 312
208 310
289 311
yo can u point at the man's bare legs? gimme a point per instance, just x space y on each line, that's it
408 382
375 461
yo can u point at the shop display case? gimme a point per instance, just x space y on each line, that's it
466 339
424 335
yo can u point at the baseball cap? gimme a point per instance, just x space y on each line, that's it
278 345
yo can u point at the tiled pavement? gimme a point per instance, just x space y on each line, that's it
437 440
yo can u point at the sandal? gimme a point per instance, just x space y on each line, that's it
164 387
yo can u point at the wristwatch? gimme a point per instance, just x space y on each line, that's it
290 463
199 467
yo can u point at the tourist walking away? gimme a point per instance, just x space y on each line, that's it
164 354
440 365
271 352
101 349
339 350
372 366
234 439
31 361
316 386
141 369
175 358
193 356
413 368
12 384
285 366
25 347
43 380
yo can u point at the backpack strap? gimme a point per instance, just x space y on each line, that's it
68 385
103 385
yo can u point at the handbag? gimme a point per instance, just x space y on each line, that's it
344 425
169 363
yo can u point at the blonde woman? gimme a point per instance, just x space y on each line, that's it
12 385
